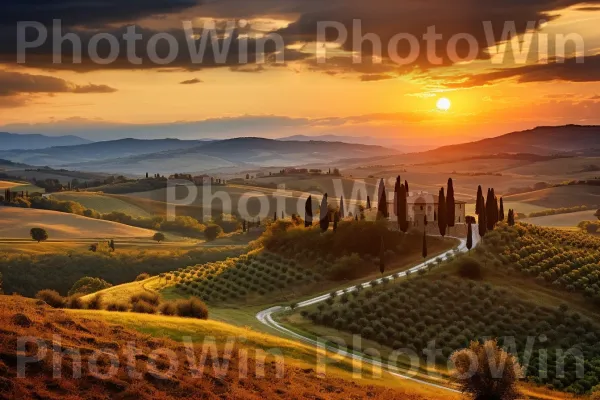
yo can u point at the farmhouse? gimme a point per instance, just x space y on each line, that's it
423 204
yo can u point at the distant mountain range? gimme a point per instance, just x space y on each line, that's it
13 141
543 140
137 156
166 156
397 144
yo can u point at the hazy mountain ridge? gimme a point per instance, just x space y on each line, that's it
17 141
239 152
61 155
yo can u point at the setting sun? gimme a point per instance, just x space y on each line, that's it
443 104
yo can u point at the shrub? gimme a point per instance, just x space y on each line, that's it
142 277
158 237
51 297
469 268
88 285
482 384
117 306
212 232
168 308
143 307
193 307
148 297
95 303
75 303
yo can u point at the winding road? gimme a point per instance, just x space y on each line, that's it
266 316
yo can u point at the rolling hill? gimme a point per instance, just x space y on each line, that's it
61 155
244 376
234 153
12 141
15 223
560 197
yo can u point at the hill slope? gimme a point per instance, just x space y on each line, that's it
240 152
56 156
15 223
87 333
11 141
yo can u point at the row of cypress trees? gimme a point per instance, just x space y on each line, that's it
490 211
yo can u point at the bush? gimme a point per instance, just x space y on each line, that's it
144 307
51 297
212 232
95 303
88 285
469 268
168 308
117 306
75 303
148 297
481 384
193 307
142 277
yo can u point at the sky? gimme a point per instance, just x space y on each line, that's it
544 72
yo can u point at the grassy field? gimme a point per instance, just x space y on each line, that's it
559 197
252 370
17 222
104 204
569 220
20 187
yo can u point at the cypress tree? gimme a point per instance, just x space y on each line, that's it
356 217
406 187
342 211
478 201
450 204
282 215
397 195
402 208
470 237
424 244
324 214
441 213
111 244
275 216
501 215
244 226
308 215
382 257
380 189
336 220
382 207
368 203
511 217
489 208
482 222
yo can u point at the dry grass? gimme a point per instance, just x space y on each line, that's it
87 332
102 203
569 220
559 197
17 222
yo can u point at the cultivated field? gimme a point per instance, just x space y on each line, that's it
559 197
20 187
569 220
17 222
104 204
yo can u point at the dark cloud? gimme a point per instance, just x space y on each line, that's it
184 49
87 13
190 81
14 83
384 18
570 70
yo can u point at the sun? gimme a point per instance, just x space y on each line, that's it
443 104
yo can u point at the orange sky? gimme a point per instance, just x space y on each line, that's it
401 106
